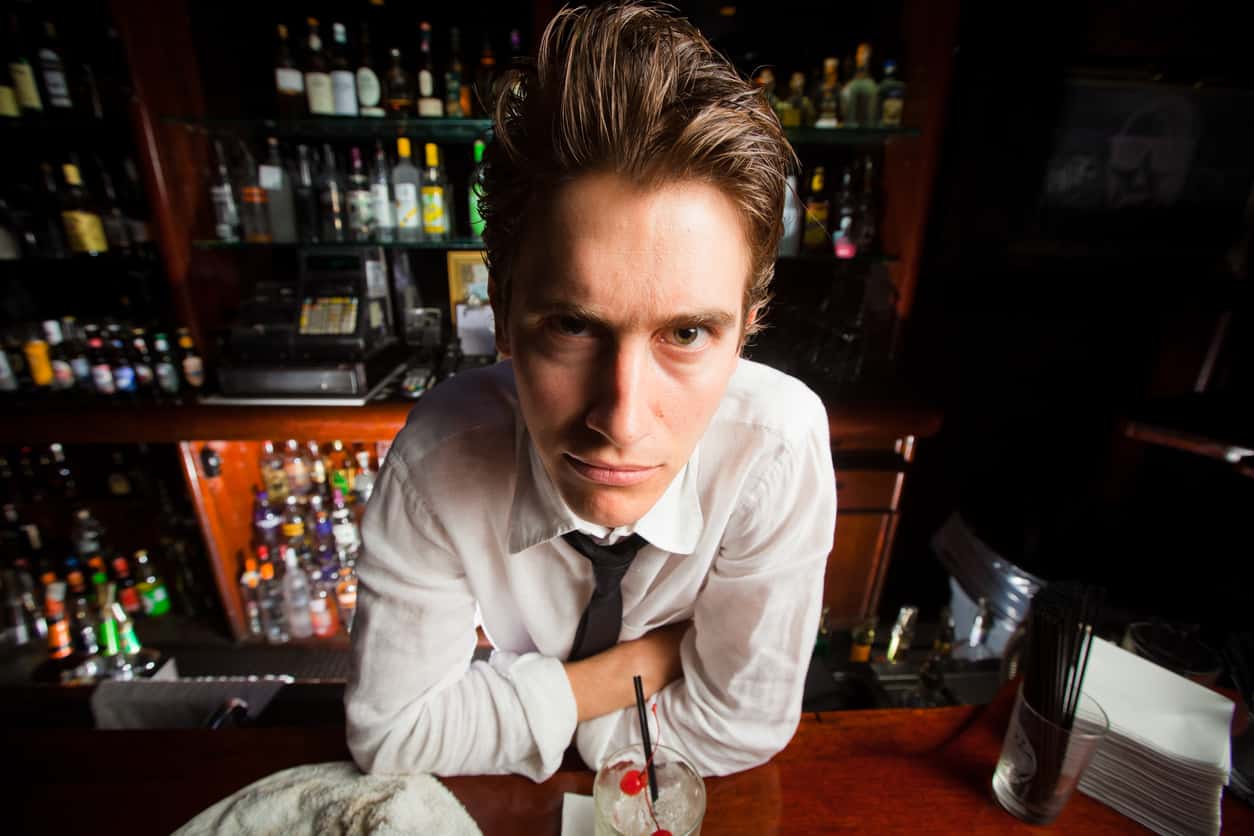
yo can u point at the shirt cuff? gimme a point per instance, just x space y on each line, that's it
548 705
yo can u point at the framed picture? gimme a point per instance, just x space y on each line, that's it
467 277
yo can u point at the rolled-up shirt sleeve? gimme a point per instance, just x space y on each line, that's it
754 624
415 702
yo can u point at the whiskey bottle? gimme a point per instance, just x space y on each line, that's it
289 81
343 79
429 104
317 77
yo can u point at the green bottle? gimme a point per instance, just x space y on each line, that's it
152 591
476 190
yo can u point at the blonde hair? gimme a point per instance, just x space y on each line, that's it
632 89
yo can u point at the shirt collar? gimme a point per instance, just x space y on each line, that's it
538 513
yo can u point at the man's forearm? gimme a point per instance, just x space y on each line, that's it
603 683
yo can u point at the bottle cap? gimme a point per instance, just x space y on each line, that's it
267 571
120 566
478 151
433 154
402 147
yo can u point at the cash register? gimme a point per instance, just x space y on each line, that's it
327 335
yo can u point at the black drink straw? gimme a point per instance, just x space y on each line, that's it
644 735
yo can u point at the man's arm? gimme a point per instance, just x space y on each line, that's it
744 660
414 702
603 683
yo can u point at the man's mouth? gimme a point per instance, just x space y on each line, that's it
607 473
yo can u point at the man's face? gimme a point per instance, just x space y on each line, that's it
624 327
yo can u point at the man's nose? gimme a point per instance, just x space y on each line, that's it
620 408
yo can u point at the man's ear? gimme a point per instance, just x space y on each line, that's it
500 313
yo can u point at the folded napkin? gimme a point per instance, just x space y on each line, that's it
336 799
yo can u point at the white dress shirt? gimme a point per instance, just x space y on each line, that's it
465 524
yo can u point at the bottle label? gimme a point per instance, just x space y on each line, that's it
344 93
890 113
128 597
289 81
321 99
130 642
430 106
109 637
270 177
361 211
38 362
407 206
54 80
476 220
155 599
124 378
102 378
167 377
8 383
194 371
345 534
144 374
8 101
62 375
322 617
434 216
82 369
24 85
59 639
226 216
426 84
85 231
381 206
293 529
369 92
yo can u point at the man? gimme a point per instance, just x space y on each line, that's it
624 495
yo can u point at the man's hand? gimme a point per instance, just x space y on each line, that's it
602 683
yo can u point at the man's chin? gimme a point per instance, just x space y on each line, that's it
609 506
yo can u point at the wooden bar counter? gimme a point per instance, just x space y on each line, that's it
887 771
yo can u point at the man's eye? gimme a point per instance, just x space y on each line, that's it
569 326
690 336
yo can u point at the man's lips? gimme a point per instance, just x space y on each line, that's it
619 475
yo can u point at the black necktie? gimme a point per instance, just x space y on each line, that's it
598 629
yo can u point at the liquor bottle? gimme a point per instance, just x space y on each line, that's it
124 380
801 108
296 596
52 71
38 360
83 621
844 230
456 96
436 223
317 78
317 472
400 99
266 523
892 92
9 109
475 191
22 70
310 227
343 79
128 593
193 365
405 187
340 468
363 484
250 596
322 611
331 198
865 225
346 596
429 104
273 617
226 222
280 199
166 372
860 98
254 207
790 237
360 199
273 474
145 369
829 96
381 206
152 591
82 222
50 235
369 90
111 216
485 79
101 371
814 236
75 351
344 526
62 478
289 81
61 662
296 468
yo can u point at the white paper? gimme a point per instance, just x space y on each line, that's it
578 815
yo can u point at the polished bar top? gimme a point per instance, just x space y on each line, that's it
886 771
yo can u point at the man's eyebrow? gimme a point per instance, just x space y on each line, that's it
716 319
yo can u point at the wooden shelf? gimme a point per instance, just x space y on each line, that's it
886 417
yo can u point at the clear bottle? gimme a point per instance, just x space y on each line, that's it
307 203
344 526
324 620
152 589
369 89
296 466
296 596
266 523
272 605
475 190
250 597
790 238
332 199
346 595
273 474
429 104
317 77
360 199
436 221
892 92
226 222
343 79
293 526
405 187
363 484
381 204
289 81
844 230
280 197
400 100
860 97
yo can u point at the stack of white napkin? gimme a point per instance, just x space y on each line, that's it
1167 757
